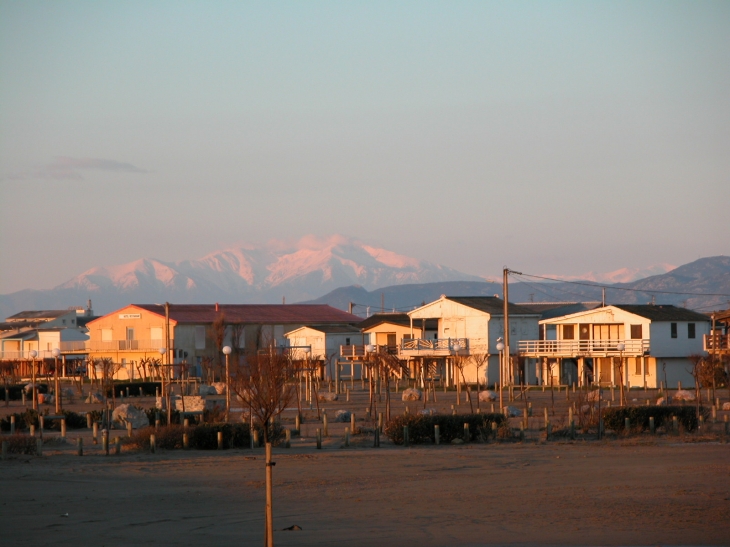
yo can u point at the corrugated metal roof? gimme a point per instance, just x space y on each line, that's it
38 314
548 310
490 304
268 314
662 312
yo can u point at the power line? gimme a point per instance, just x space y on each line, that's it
615 288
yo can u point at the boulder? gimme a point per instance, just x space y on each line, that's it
205 389
193 403
684 395
512 412
726 406
220 388
326 396
125 414
411 394
661 401
343 416
29 387
457 441
95 397
487 396
427 412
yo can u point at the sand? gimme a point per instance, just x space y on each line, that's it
608 493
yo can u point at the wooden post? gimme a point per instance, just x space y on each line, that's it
436 434
522 432
651 425
39 446
549 431
352 423
80 446
186 423
32 430
319 439
88 420
220 440
12 425
298 422
129 429
105 441
467 436
95 432
63 428
405 435
494 430
41 423
714 414
153 446
453 410
186 441
141 392
627 425
269 532
255 438
117 446
547 420
347 437
376 439
287 441
675 424
347 395
380 421
325 429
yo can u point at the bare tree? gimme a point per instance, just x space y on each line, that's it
264 382
460 362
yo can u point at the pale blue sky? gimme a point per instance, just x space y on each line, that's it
552 137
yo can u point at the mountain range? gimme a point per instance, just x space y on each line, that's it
345 270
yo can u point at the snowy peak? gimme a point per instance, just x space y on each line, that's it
622 275
303 269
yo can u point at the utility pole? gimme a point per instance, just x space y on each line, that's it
167 363
505 289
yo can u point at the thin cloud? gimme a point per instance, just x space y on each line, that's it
66 168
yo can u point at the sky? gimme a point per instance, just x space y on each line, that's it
549 137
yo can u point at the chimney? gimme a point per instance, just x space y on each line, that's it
216 306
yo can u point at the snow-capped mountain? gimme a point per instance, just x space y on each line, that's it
622 275
304 270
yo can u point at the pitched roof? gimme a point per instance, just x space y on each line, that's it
270 314
402 319
663 312
491 305
39 315
333 329
548 310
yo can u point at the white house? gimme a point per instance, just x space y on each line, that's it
470 326
323 344
635 345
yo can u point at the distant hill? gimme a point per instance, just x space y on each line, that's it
706 275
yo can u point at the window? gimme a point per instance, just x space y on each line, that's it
637 370
674 330
347 341
568 332
107 335
200 337
690 330
156 333
636 332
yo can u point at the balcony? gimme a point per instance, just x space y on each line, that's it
582 348
423 347
717 343
126 345
358 353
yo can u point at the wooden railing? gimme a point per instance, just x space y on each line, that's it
583 347
440 346
716 342
359 353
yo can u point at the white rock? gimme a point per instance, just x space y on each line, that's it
342 416
487 396
457 441
684 395
220 388
125 414
726 406
327 396
192 403
513 412
661 401
95 397
411 394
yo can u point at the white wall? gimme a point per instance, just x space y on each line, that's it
663 345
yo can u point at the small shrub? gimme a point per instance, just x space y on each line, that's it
166 438
421 427
21 444
615 417
153 412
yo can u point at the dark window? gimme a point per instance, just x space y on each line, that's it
347 341
636 332
690 330
637 369
674 330
568 332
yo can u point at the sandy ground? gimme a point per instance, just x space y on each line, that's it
638 491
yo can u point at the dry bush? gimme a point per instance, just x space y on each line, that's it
20 444
166 438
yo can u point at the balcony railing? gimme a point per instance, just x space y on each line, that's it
126 345
427 346
571 348
717 342
358 352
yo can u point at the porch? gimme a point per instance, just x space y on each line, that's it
583 348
